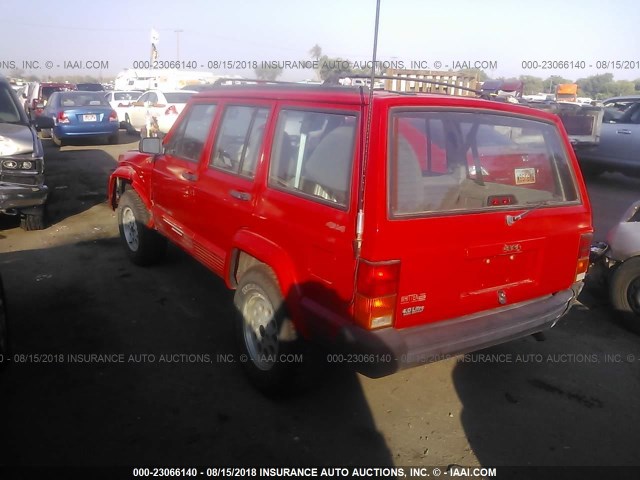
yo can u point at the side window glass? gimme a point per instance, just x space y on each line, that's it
144 98
153 98
189 140
313 154
239 139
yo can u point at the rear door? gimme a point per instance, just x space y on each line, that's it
499 223
308 207
226 190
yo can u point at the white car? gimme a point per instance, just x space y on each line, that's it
157 110
121 100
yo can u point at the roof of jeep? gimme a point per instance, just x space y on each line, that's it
360 96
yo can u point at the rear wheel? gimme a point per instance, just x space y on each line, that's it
625 292
266 337
33 220
144 246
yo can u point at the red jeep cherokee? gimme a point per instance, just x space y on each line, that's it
445 225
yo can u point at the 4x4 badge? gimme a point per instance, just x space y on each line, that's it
502 297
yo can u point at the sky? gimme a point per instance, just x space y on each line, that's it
508 38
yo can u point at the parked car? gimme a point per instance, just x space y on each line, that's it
157 108
39 93
81 115
90 87
619 146
616 266
334 230
22 188
120 101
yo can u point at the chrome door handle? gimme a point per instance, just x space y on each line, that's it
624 132
244 196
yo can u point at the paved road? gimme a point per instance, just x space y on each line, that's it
165 389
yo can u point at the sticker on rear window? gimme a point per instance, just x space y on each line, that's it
525 176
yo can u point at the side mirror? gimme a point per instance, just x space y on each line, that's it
151 145
43 121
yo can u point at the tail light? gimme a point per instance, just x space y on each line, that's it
113 116
62 117
171 110
583 256
376 293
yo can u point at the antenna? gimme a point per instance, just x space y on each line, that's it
360 221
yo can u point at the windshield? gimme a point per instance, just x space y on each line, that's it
9 112
461 161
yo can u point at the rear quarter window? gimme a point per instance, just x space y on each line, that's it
456 161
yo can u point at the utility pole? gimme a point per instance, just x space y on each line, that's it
178 32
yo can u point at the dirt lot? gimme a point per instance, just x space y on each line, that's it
167 391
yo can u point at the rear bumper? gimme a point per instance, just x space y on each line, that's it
22 196
383 352
73 131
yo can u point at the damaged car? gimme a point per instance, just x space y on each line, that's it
22 189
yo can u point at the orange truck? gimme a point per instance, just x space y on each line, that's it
567 92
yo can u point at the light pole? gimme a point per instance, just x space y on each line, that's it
178 32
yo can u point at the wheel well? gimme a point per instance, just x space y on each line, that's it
119 187
242 263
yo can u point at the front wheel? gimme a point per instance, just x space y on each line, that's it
144 246
266 338
625 292
34 219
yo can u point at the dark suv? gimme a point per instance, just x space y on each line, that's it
22 189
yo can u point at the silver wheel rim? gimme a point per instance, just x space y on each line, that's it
130 229
260 330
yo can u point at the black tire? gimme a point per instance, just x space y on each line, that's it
35 220
4 329
625 292
265 334
144 246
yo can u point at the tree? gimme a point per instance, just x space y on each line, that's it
316 52
334 67
532 85
268 73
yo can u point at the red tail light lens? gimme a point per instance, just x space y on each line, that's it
171 110
584 249
113 116
377 287
62 117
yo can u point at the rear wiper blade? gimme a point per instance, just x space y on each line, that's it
511 219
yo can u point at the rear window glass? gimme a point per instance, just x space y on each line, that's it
441 161
82 99
313 154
